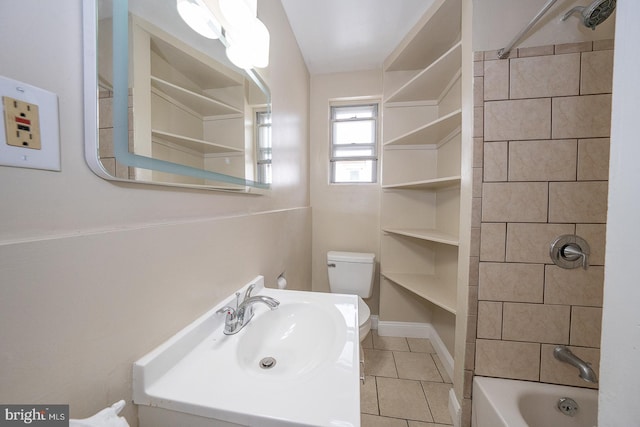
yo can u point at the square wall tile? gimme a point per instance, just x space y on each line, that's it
574 287
518 119
530 242
536 323
550 160
524 52
495 161
556 372
478 122
573 47
477 182
489 320
593 159
478 149
508 359
511 282
496 80
606 44
545 76
595 235
478 91
583 201
492 241
596 72
515 202
586 326
586 116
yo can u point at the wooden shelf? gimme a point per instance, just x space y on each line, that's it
427 184
431 133
198 145
203 105
433 35
433 81
425 234
429 287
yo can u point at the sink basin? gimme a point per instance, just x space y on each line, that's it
297 365
298 338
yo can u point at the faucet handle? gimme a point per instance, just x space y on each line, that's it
230 318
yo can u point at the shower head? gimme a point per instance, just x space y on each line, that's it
594 14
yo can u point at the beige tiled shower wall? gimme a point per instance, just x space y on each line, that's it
541 156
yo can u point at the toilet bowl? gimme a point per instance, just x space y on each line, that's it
352 273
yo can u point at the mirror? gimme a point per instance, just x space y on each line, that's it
171 109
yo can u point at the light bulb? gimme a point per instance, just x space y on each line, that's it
249 47
199 17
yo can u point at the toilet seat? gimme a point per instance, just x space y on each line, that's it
364 318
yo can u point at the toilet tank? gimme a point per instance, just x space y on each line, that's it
351 272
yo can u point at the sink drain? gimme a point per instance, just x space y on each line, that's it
267 363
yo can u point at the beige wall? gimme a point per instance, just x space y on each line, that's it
345 217
540 171
95 274
497 22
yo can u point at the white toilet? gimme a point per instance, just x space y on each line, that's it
352 273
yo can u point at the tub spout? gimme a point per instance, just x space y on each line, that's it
565 355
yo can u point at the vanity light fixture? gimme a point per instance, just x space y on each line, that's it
246 37
200 18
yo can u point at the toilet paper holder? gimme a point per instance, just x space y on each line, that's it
570 251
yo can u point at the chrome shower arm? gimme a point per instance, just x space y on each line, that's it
504 52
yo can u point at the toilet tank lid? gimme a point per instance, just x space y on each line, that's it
359 257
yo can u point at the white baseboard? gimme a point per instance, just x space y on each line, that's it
418 330
454 409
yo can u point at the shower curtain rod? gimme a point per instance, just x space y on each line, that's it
504 52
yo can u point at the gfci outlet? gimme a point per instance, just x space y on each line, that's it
31 136
22 125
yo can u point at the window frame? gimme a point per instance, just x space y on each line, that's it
333 159
261 174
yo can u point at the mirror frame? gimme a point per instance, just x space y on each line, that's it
91 132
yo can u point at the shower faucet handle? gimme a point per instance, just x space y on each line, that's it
573 252
570 251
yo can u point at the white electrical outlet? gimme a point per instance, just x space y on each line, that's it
31 135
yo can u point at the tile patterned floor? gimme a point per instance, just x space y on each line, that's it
406 384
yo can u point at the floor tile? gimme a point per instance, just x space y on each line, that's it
369 396
438 398
440 366
390 343
422 424
367 342
367 420
420 345
416 366
399 398
379 363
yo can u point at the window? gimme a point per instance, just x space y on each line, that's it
263 146
354 135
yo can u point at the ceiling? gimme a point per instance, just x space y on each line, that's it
350 35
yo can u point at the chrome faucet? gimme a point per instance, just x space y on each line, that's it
237 318
563 354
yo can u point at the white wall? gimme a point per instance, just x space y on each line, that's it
620 353
95 274
497 22
345 217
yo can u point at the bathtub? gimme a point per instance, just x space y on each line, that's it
510 403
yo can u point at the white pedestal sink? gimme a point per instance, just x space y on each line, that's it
297 365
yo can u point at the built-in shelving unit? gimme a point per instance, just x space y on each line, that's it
421 175
188 108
